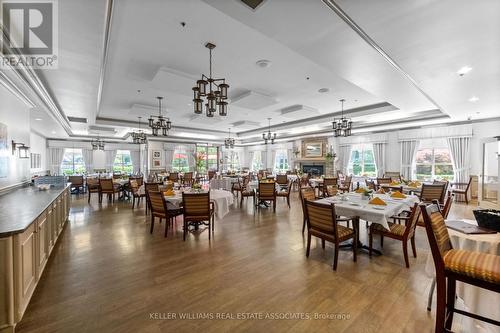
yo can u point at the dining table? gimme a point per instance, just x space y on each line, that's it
470 298
356 205
222 200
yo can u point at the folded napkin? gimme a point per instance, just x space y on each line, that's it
395 183
381 191
377 201
169 193
360 190
398 194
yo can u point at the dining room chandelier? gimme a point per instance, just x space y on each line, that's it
342 126
159 123
229 142
268 136
211 92
97 143
138 137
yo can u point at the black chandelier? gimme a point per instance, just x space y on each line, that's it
343 125
138 137
229 142
213 97
269 136
97 144
162 123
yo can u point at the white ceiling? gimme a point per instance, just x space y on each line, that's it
309 46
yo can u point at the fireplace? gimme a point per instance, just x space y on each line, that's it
313 169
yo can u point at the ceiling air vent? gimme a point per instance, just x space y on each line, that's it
77 120
253 3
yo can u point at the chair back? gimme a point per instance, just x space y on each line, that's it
139 180
157 202
393 175
106 184
196 204
211 174
329 181
321 218
432 192
411 225
92 182
117 176
134 186
267 189
437 234
151 187
347 182
447 206
282 179
188 176
76 180
384 181
173 176
370 184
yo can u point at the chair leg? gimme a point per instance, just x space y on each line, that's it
288 200
274 205
405 253
336 256
355 249
209 228
323 244
431 292
450 302
152 223
303 224
167 222
308 244
133 202
370 243
381 240
184 231
466 199
440 305
414 249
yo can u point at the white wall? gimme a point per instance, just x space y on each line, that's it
38 145
15 115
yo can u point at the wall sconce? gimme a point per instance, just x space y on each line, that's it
22 148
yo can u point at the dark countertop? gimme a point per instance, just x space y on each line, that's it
20 207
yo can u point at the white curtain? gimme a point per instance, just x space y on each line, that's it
460 156
344 157
56 156
169 158
275 157
88 159
379 155
291 159
109 158
251 156
135 156
408 150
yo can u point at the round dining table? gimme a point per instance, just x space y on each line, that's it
222 200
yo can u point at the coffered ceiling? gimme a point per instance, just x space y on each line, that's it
393 61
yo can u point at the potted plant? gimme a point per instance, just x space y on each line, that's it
366 194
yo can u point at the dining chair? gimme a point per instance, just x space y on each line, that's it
237 186
432 192
92 186
282 181
370 184
198 209
267 192
330 181
346 184
134 190
246 191
285 193
322 223
306 193
187 179
153 186
106 186
399 232
476 268
77 184
393 175
161 209
445 209
455 189
304 180
173 176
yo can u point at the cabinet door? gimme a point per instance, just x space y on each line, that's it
43 240
61 212
24 268
55 225
50 237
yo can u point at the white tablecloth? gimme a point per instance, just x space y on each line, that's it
223 183
316 182
355 206
221 199
476 300
292 178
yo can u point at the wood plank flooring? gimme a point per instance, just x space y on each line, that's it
109 274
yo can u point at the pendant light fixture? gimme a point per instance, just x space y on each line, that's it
138 137
159 123
97 143
343 125
229 142
269 136
213 90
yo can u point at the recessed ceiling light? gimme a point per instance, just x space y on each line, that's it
263 63
323 90
474 99
464 70
38 119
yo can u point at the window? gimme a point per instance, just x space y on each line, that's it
206 158
232 160
362 162
72 163
281 161
180 162
123 162
257 161
432 163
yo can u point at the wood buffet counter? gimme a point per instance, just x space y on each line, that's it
30 224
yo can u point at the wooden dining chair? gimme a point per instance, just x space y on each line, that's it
267 192
475 268
445 209
346 184
237 186
92 186
198 209
173 176
77 184
370 184
393 175
399 232
285 193
188 179
106 186
153 186
134 190
458 188
322 223
432 192
306 193
246 191
330 181
160 209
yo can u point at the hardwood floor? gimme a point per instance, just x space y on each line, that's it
109 274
